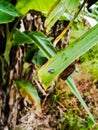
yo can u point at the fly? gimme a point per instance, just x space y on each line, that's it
51 71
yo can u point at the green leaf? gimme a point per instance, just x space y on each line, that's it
7 12
30 53
66 56
72 4
7 8
39 59
38 38
55 13
72 86
39 5
35 56
27 88
43 43
5 18
66 16
57 10
21 37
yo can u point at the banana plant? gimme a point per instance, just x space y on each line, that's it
10 13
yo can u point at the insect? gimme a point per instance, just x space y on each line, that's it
51 71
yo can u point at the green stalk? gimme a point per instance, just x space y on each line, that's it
9 36
8 44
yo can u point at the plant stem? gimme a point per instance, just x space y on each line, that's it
71 22
8 44
9 36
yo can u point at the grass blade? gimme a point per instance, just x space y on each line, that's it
74 89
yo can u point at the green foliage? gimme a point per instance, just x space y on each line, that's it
20 38
73 122
39 59
38 38
45 46
7 12
94 11
57 63
72 4
89 61
57 10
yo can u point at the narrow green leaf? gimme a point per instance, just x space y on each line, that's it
72 86
27 88
66 56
